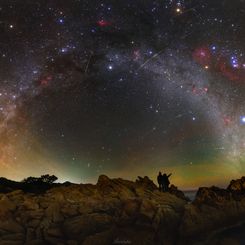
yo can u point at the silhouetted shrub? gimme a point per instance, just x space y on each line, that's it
31 180
48 179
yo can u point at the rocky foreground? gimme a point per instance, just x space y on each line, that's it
117 211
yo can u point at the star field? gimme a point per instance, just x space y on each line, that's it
123 88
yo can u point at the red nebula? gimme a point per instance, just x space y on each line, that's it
44 82
136 54
233 74
199 91
219 63
202 56
103 23
227 120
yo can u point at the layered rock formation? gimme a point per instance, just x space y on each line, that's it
117 211
213 211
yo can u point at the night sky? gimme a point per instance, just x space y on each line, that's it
123 88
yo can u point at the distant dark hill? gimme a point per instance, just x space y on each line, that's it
35 185
7 185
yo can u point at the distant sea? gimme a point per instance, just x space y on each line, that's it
191 194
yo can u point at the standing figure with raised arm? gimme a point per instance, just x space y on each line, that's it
165 181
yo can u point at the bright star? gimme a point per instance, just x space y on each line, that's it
178 10
242 120
64 50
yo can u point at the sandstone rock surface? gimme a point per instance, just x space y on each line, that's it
116 211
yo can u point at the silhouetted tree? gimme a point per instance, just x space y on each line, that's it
48 179
31 180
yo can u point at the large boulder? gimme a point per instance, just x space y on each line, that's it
146 183
118 188
212 210
213 196
237 185
178 193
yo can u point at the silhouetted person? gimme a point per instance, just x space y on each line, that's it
165 182
160 182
